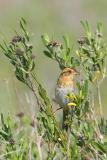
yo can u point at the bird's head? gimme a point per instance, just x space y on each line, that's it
67 76
68 72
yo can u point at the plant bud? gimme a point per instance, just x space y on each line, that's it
32 56
11 141
54 44
16 39
19 51
81 41
99 34
20 114
30 46
32 123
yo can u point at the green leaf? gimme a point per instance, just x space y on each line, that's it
22 25
67 47
43 95
45 39
4 126
48 54
23 20
101 147
31 66
1 46
66 41
85 25
99 27
22 76
6 129
87 29
85 88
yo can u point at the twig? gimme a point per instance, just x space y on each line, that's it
97 130
33 90
38 142
34 78
68 144
57 110
30 145
12 152
30 150
99 98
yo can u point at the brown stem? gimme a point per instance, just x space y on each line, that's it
99 98
33 90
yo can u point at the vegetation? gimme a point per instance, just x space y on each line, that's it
42 137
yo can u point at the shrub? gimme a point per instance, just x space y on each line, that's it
43 137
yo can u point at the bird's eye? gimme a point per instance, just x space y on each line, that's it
70 72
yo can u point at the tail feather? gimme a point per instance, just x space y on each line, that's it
65 117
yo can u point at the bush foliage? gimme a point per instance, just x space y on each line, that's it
44 138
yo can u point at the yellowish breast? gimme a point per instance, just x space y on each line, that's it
65 81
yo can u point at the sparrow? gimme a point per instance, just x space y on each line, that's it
65 85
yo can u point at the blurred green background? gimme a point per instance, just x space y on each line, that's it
57 17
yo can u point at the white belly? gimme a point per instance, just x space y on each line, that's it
60 95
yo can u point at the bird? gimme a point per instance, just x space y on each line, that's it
64 86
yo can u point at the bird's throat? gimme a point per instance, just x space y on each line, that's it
66 82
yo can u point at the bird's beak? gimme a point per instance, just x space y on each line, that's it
76 73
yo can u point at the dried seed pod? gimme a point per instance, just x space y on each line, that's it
81 41
30 46
54 44
99 34
19 51
32 56
32 123
16 39
11 141
20 114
